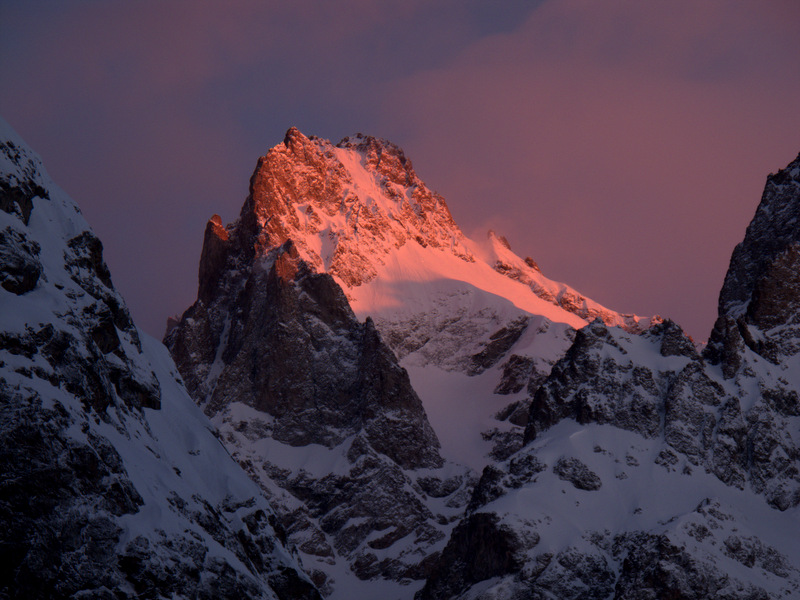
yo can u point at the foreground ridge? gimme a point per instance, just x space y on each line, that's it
113 484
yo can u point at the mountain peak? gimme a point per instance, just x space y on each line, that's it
345 207
384 157
759 301
772 230
358 211
297 143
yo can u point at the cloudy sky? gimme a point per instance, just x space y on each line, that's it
622 144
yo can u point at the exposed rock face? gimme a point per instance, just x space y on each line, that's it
112 485
759 302
20 182
500 342
21 268
578 474
478 550
772 230
274 354
289 346
617 391
306 188
607 377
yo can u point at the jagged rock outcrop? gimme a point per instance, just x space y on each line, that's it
274 354
294 350
112 484
306 189
600 381
478 550
772 230
659 387
759 304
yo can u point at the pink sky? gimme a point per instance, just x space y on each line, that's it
622 144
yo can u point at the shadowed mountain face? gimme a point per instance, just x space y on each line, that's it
112 484
287 344
759 304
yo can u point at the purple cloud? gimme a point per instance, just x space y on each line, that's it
622 144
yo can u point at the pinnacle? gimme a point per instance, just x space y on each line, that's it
293 133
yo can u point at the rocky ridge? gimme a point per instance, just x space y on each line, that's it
526 271
760 298
113 485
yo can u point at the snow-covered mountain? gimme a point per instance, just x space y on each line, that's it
112 483
421 415
359 211
276 354
614 460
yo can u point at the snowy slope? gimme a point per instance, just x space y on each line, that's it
113 480
589 511
644 474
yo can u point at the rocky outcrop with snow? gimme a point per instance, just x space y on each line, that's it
307 398
526 271
286 343
342 221
759 302
648 470
113 484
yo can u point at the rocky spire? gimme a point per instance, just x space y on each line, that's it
759 304
293 349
